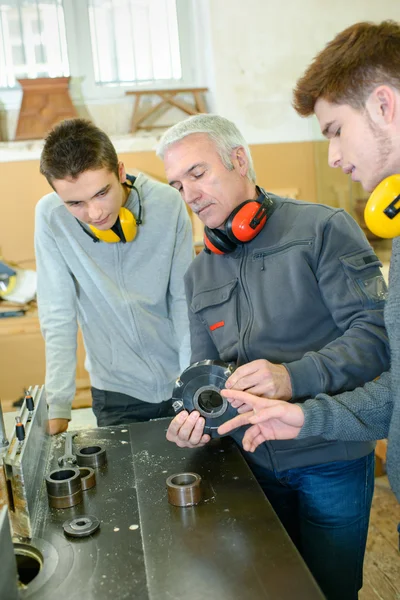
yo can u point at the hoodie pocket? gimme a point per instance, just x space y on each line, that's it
217 308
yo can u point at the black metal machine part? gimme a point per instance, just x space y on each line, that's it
198 388
229 546
81 526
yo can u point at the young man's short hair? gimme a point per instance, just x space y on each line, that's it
351 66
75 146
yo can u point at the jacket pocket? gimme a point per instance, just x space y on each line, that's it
218 311
363 271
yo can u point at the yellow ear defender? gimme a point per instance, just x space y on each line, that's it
125 228
123 231
382 211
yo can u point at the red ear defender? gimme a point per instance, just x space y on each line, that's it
242 225
217 242
248 219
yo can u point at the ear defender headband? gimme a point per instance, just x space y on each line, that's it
243 225
125 228
382 211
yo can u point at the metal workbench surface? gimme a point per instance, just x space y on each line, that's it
230 546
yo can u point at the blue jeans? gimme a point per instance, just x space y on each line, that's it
325 510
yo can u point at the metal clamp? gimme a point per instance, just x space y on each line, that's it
184 489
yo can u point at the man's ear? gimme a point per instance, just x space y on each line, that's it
240 160
121 172
381 105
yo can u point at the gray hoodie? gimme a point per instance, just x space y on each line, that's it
128 299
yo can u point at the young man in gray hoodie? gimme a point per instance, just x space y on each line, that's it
353 87
111 253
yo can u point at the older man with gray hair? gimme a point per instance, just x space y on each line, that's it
292 293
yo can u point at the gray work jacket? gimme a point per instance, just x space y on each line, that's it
308 293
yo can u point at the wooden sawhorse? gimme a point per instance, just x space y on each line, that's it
166 97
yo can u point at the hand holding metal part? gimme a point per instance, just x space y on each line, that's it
197 400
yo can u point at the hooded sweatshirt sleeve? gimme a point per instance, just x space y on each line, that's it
183 256
56 296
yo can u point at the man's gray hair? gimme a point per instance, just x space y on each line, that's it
225 135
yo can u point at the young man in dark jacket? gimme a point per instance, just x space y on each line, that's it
293 294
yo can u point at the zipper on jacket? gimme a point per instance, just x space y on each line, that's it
129 306
250 308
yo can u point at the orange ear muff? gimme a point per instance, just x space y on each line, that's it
217 242
246 221
382 211
124 229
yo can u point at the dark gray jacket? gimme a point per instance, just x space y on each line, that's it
371 412
307 292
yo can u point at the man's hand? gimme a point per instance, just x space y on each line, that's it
186 430
57 426
269 419
262 378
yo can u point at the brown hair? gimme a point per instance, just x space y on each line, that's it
74 146
347 70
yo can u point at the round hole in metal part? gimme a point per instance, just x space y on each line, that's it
81 523
90 450
62 474
84 471
29 562
210 401
183 479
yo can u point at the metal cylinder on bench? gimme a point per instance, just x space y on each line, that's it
64 488
91 456
184 489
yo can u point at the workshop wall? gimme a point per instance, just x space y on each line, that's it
260 48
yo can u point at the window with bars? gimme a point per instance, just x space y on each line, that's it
106 43
32 40
134 40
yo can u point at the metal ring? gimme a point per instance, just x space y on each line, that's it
91 456
184 489
81 526
213 414
64 488
88 478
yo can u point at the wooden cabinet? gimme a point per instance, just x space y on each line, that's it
45 102
22 360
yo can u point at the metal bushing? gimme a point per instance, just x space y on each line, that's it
184 489
81 526
64 488
88 478
198 388
91 456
